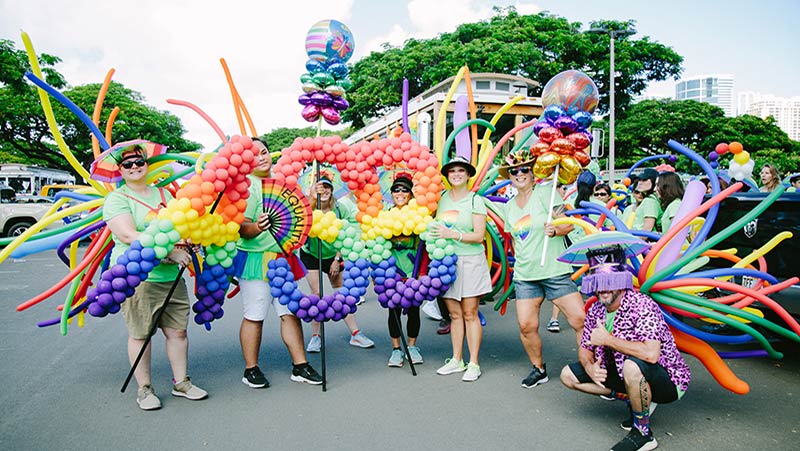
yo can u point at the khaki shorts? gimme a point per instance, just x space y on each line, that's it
472 278
140 309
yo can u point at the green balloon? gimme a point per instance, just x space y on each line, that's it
161 252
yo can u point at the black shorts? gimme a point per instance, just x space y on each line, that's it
312 263
661 387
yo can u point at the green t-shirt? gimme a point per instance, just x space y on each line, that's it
457 215
648 208
669 214
118 203
262 247
526 226
345 210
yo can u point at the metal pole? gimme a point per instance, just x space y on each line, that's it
612 77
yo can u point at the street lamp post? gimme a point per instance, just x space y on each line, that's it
612 75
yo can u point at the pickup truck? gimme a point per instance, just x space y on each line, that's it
16 217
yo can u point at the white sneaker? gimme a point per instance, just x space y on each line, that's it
315 344
361 340
451 366
472 374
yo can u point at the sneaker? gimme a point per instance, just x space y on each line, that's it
472 374
147 399
553 326
361 300
444 328
396 359
635 441
315 344
306 373
627 423
361 340
254 378
416 356
186 389
536 377
451 366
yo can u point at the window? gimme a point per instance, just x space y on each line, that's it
485 85
501 86
693 84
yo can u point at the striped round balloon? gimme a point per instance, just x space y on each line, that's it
329 39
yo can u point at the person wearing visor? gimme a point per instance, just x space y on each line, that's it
127 211
404 249
525 219
461 217
332 261
627 351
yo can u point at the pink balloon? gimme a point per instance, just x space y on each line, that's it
692 199
463 144
310 113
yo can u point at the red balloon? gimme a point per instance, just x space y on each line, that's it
562 146
550 134
584 159
539 148
310 113
721 148
580 140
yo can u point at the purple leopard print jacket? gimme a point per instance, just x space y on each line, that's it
639 319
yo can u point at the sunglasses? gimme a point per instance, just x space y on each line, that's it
520 170
401 189
601 194
139 162
641 193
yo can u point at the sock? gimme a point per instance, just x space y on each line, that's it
299 365
397 348
355 332
641 421
617 395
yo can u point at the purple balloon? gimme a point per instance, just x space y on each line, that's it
119 283
566 124
304 99
118 270
113 308
96 309
321 99
537 127
713 156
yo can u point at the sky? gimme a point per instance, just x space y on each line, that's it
171 48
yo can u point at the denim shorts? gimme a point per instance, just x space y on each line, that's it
550 288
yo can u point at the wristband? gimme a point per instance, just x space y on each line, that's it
460 236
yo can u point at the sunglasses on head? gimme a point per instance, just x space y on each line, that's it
400 189
139 162
519 170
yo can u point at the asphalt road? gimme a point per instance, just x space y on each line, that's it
64 392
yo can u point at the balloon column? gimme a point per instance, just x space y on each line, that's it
741 165
329 44
569 99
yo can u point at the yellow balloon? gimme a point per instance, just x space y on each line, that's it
742 157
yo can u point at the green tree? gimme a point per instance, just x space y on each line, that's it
281 138
533 46
25 136
646 127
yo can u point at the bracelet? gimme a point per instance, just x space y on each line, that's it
460 236
339 259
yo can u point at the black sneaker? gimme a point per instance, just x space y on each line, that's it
627 424
635 441
254 378
305 373
537 377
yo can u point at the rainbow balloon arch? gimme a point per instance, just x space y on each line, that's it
210 197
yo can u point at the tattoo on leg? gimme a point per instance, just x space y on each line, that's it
644 393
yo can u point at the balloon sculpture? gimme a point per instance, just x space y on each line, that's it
329 44
569 99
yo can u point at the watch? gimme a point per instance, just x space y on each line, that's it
339 259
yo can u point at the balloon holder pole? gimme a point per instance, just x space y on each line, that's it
550 211
321 288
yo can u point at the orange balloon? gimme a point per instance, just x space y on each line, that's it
626 181
735 147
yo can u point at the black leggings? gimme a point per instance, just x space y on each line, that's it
412 323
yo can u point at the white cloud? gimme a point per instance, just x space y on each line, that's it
171 49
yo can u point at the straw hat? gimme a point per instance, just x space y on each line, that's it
521 157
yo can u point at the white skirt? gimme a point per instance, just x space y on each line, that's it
472 278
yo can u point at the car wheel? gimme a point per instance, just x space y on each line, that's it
18 229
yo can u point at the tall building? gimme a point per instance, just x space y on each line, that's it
786 112
744 99
716 89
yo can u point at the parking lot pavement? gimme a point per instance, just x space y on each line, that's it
64 392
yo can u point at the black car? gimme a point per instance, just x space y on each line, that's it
783 261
